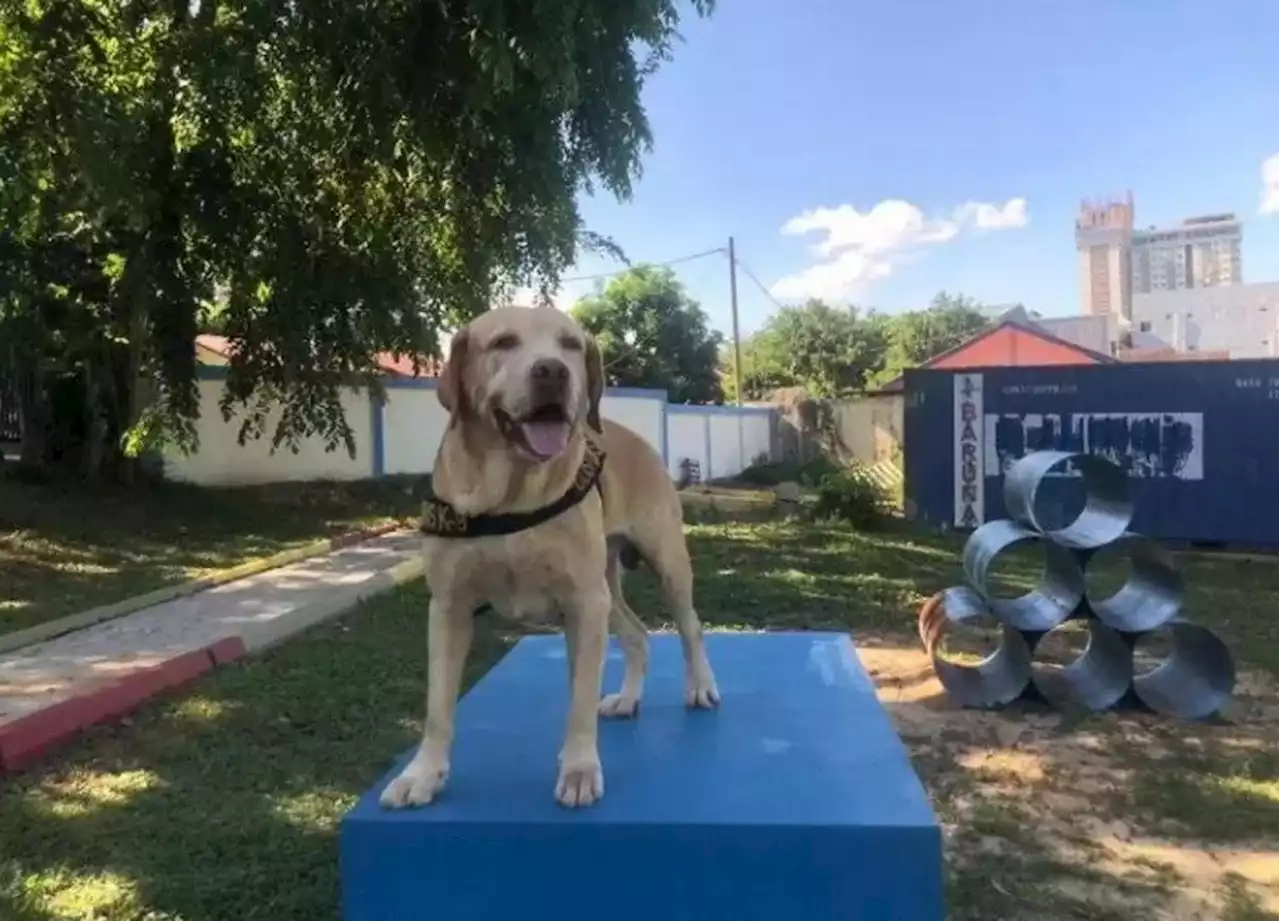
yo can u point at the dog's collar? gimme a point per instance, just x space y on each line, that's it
440 519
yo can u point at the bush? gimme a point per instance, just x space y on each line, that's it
851 496
766 473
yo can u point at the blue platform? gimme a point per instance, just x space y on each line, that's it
795 801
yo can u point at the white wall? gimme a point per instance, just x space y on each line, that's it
222 461
640 411
757 436
726 445
1239 319
722 439
404 436
1097 332
687 439
413 422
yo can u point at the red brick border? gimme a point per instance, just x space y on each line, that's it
27 739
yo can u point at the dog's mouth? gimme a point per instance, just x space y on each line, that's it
543 434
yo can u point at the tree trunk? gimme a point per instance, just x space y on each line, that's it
34 407
94 426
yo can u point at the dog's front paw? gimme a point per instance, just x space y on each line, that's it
700 692
619 706
417 785
581 781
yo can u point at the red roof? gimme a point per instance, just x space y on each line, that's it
1068 352
389 363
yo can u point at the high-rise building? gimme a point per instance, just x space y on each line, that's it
1117 262
1203 252
1104 232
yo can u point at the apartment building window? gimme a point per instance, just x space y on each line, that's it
1144 326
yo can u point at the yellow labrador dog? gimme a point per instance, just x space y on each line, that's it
523 387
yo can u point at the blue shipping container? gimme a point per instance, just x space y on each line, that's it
1198 440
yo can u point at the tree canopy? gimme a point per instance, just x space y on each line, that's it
836 351
322 180
827 350
652 334
918 335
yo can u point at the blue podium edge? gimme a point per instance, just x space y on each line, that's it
366 809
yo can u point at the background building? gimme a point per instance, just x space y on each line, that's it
1203 252
1241 320
1118 262
1104 235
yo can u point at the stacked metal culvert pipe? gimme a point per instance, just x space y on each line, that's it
1194 680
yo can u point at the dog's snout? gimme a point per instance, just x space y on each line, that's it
550 371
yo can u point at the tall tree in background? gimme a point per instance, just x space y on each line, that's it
918 335
652 334
830 351
348 175
833 351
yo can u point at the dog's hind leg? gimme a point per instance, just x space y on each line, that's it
669 558
633 636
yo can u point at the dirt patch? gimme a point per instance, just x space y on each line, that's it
1117 815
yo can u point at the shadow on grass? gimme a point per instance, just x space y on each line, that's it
64 549
224 804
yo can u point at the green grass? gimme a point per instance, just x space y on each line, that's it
65 549
223 804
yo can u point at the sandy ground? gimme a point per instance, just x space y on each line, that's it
1049 819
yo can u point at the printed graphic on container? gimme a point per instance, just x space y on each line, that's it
968 468
1144 445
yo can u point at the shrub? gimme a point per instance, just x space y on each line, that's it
765 473
850 495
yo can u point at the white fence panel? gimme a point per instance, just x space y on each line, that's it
642 411
413 422
726 444
687 440
222 461
403 434
757 435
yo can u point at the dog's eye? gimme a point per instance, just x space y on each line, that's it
504 343
570 344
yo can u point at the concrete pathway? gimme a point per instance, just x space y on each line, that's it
52 690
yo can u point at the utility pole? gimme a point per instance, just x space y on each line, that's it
733 306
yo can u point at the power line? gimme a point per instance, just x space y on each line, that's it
676 261
758 283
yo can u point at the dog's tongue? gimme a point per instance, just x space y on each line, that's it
547 439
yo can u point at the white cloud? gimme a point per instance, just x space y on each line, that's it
860 247
1271 185
984 216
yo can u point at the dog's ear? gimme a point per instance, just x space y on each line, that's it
595 384
452 389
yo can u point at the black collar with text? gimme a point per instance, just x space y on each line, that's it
440 519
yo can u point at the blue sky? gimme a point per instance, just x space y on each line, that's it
773 111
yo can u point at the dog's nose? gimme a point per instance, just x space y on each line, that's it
550 371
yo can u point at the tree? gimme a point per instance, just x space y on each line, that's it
349 176
830 351
652 334
916 336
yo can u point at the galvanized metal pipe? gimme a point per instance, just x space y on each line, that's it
1055 597
1151 596
1107 511
1197 678
998 679
1098 678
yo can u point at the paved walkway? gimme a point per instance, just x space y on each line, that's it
53 689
